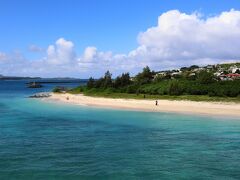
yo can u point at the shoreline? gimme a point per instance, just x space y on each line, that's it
169 106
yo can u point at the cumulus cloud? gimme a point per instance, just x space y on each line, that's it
60 60
178 39
89 54
13 63
61 53
182 39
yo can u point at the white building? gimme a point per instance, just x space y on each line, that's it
233 69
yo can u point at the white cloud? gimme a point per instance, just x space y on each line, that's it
61 53
35 48
183 39
178 39
89 54
2 56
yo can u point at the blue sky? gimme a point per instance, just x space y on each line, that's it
109 25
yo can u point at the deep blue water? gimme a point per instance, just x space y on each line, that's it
40 140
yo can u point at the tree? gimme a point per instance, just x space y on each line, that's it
118 82
193 67
91 83
107 80
122 81
99 83
225 72
126 79
145 76
184 69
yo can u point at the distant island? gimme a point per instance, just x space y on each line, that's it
219 82
2 77
42 80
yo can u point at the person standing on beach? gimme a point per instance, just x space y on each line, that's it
156 103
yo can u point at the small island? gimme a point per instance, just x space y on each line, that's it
34 85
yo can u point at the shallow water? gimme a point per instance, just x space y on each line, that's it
40 140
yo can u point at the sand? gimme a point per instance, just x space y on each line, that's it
189 107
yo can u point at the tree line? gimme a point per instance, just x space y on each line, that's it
145 82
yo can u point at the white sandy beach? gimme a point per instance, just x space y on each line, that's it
191 107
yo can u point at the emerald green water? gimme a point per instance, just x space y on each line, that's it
40 140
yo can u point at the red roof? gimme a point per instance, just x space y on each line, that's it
233 75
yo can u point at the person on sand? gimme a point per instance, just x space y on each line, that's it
67 98
156 103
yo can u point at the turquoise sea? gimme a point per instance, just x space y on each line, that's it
42 140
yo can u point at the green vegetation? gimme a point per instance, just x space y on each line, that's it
199 86
60 89
109 94
56 90
227 66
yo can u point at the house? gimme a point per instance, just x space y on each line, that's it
161 74
223 77
233 76
176 73
132 79
209 67
192 74
198 69
232 69
217 74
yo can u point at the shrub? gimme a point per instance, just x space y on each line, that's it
205 77
132 89
56 90
175 88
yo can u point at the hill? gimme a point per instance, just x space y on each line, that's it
212 82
